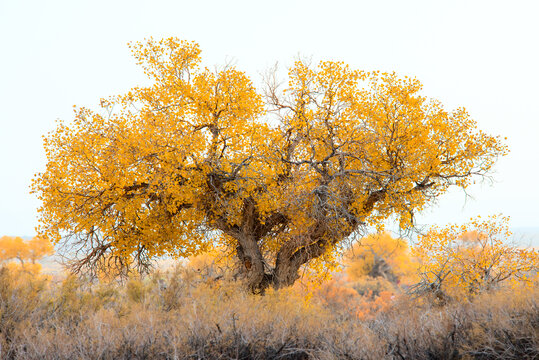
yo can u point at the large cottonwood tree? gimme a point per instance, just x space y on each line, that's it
282 176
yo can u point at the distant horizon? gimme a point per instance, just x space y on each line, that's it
528 234
530 238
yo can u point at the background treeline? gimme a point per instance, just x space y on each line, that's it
15 251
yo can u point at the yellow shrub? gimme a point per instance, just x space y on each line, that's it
463 261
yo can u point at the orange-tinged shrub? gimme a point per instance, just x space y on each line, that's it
370 305
336 295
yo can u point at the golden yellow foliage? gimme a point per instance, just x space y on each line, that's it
13 248
381 255
462 261
39 247
201 156
25 252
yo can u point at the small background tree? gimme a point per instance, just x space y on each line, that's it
381 256
463 261
26 253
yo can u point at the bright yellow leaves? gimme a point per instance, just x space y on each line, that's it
462 261
367 132
26 253
201 155
381 255
122 178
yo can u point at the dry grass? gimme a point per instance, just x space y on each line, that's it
178 316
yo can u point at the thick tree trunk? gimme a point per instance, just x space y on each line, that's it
289 262
285 275
290 258
259 276
293 253
253 263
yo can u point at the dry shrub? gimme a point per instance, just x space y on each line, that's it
19 296
496 325
178 315
371 304
515 314
373 286
338 297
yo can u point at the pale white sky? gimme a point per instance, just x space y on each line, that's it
483 55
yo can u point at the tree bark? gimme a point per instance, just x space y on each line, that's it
253 263
294 253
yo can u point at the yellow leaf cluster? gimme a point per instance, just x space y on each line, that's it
381 255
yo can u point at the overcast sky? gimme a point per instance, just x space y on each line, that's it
483 55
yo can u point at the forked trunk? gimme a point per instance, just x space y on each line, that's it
260 276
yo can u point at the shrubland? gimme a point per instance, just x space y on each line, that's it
198 310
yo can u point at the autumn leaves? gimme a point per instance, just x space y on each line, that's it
202 157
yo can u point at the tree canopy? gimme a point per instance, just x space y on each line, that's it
281 175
